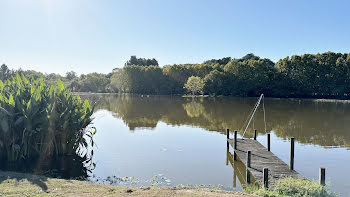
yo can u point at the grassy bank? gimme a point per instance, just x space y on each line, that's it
292 187
18 184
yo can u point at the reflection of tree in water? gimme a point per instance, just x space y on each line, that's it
194 109
322 123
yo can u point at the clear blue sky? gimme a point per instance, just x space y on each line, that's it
87 36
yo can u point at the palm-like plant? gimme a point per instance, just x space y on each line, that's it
41 121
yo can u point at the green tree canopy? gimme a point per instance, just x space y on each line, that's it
325 75
5 72
194 85
141 61
222 61
71 75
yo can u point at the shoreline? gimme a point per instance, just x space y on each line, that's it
218 96
21 184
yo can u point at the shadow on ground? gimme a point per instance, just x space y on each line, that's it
34 179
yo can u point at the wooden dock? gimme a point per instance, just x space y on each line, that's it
260 158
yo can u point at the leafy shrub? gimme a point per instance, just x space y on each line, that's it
39 121
292 187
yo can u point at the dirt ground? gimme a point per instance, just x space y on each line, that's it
18 184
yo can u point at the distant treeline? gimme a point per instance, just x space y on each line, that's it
324 75
92 82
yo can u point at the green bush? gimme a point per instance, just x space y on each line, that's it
39 121
291 187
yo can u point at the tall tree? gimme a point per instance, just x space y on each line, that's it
5 72
71 75
194 85
141 62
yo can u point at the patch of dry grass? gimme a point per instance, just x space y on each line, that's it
18 184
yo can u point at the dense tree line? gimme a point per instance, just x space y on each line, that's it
93 82
324 75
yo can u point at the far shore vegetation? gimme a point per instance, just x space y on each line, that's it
323 76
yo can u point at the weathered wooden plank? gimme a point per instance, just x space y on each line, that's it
262 158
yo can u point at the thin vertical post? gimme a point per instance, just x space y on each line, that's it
292 153
322 176
249 157
266 177
248 176
255 134
268 142
235 147
235 144
228 137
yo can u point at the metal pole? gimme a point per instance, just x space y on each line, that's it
255 108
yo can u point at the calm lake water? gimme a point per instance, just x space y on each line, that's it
164 140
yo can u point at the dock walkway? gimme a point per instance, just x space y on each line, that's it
262 158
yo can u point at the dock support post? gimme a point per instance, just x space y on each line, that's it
255 134
322 176
235 142
249 157
268 142
235 147
292 153
228 137
266 177
248 176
